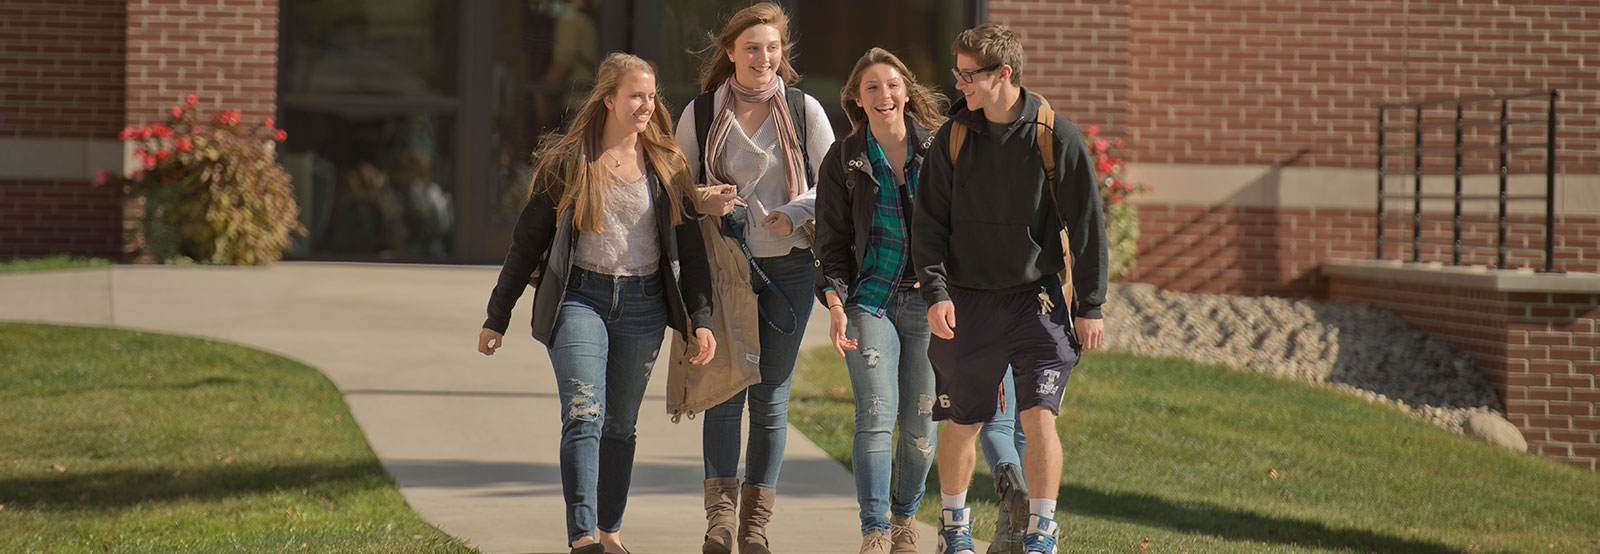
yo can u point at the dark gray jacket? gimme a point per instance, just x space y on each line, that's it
847 196
985 224
541 242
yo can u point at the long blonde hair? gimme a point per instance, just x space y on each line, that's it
568 165
721 69
924 105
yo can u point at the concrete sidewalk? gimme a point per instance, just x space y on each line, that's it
471 439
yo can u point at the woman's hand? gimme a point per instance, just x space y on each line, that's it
837 322
489 341
708 346
720 201
778 223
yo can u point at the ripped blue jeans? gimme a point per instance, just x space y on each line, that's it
607 335
892 382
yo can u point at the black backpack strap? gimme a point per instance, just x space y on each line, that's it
703 105
797 111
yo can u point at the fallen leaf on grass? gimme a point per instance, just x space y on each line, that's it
1146 543
416 537
116 346
225 458
150 376
58 468
2 507
1472 547
288 512
1272 474
254 398
1409 529
837 390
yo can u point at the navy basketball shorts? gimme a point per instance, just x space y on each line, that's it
994 331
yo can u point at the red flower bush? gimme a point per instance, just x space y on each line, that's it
213 190
1122 218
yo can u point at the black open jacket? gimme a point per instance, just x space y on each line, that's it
847 195
985 223
542 242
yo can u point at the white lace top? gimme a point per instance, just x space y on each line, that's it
627 243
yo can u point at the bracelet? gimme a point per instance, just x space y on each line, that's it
832 306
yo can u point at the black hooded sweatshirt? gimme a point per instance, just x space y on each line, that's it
986 224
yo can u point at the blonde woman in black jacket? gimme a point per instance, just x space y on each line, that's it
606 226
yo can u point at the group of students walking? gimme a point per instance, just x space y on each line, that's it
726 226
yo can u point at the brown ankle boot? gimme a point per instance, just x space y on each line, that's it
755 511
722 501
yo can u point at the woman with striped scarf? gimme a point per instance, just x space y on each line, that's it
755 166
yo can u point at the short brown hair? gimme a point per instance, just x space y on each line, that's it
992 43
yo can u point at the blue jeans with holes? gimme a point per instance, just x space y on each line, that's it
607 334
1001 439
892 382
769 399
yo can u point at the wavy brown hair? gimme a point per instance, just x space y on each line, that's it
924 105
721 69
568 164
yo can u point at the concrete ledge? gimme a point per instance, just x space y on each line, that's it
1479 277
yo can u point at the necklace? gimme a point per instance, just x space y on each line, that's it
614 158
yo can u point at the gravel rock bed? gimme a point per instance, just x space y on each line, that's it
1359 348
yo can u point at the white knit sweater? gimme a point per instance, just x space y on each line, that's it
753 164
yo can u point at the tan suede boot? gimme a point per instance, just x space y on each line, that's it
722 501
903 532
755 511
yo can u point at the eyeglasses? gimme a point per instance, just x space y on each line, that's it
966 76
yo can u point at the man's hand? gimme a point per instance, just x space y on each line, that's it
942 319
721 201
1091 332
708 346
489 341
837 321
778 223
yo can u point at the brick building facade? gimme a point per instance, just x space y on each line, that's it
1254 122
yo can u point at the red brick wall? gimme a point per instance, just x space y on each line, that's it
1538 349
61 78
1225 82
226 51
1276 251
42 217
61 68
1077 55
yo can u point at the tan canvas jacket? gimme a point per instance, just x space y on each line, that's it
692 389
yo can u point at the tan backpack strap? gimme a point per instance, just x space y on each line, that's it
958 138
1046 144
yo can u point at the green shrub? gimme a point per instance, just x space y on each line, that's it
213 190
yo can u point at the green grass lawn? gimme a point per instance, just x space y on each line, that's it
59 261
1197 458
118 441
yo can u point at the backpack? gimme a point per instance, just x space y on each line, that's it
1046 121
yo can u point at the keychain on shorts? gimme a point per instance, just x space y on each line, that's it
1045 303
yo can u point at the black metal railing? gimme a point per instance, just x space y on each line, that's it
1460 150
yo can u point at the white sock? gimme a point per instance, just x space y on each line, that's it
1042 507
955 501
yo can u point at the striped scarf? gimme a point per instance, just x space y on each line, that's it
788 139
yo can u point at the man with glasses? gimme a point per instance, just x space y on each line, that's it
984 239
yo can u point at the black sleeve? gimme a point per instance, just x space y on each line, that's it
694 273
1079 198
930 228
835 228
530 241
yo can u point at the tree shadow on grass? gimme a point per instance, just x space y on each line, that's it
1233 524
96 490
